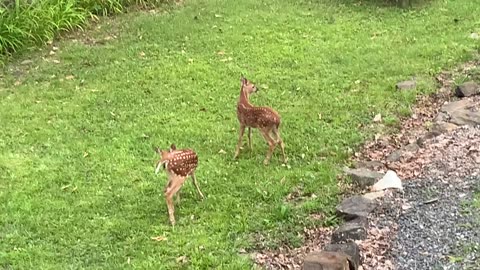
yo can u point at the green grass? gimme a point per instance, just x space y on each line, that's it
24 24
162 81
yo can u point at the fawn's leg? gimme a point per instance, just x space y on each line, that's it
240 137
271 143
276 132
174 184
250 138
194 179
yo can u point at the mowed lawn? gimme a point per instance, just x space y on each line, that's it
78 127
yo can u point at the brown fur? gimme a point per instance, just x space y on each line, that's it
179 165
265 119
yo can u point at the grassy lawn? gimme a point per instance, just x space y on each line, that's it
77 188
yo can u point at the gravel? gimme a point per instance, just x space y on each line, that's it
441 234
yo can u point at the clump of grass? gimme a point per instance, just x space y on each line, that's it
24 23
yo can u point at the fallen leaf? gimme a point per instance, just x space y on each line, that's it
70 77
182 259
222 151
17 83
85 154
142 54
218 16
377 118
221 53
65 187
56 61
159 238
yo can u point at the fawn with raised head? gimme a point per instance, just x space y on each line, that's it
179 165
265 119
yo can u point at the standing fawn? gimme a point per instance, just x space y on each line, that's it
179 165
265 119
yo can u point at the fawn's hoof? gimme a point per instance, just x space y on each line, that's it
265 162
285 160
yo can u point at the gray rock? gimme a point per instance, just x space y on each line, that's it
467 89
371 165
326 260
350 249
443 127
466 117
356 206
429 135
395 156
412 147
406 85
442 117
355 229
461 112
363 177
458 105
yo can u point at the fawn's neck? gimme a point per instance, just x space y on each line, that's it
244 100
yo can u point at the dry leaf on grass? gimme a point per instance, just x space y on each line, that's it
159 238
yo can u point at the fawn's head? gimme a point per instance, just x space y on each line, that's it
165 156
248 86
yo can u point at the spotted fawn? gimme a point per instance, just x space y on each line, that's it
179 165
265 119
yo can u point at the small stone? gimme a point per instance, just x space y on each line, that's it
429 135
326 260
363 177
356 206
443 127
467 89
406 85
350 249
412 147
395 156
390 180
355 229
26 62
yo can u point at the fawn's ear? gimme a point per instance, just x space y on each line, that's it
243 80
173 147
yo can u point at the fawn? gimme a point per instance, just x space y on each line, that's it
179 165
265 119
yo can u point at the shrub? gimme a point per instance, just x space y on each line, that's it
37 21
